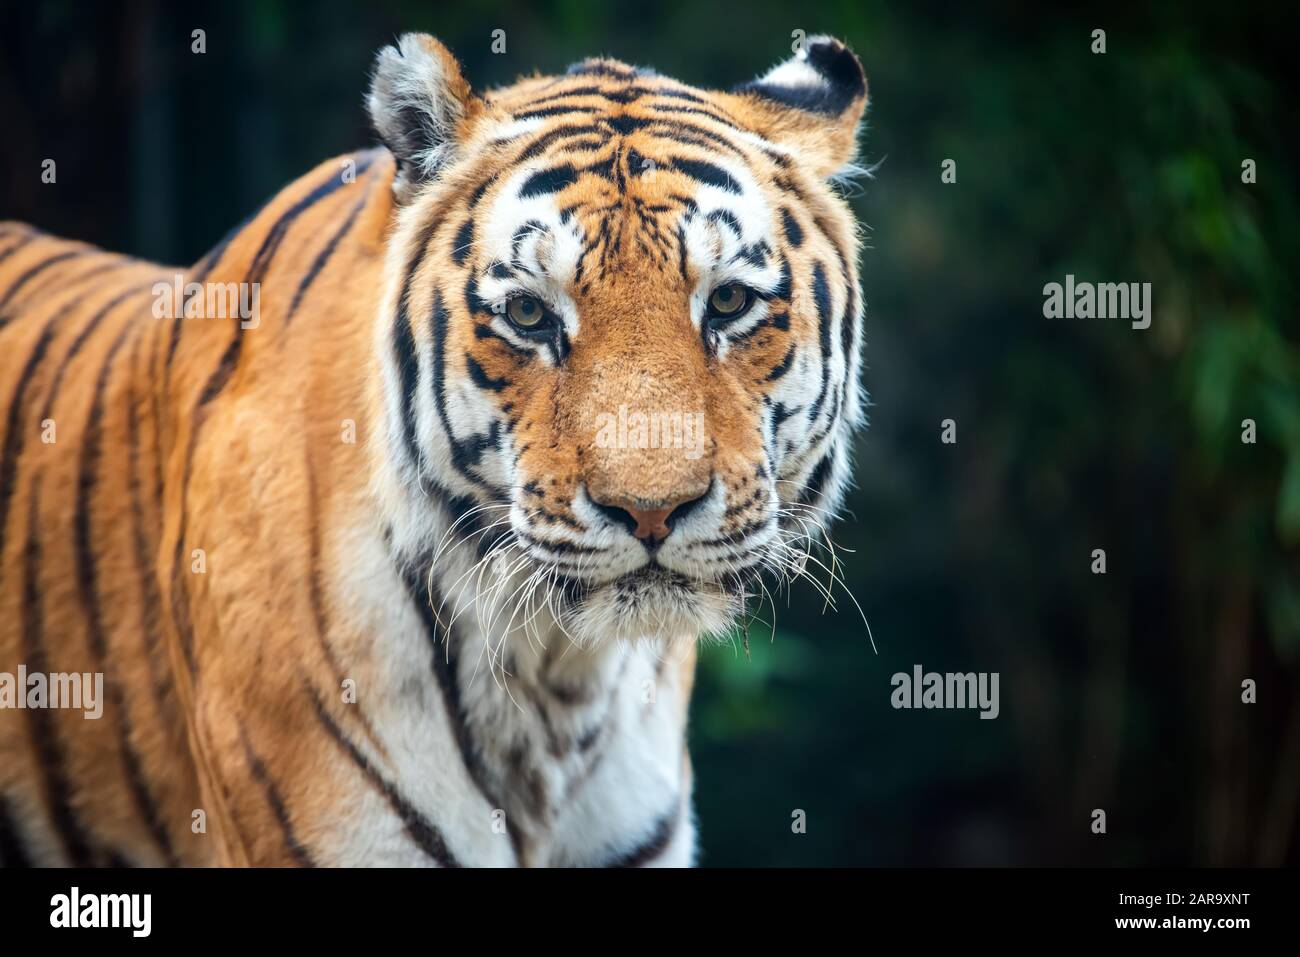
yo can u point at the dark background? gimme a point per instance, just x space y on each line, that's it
1119 691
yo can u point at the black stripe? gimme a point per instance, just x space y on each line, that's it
822 299
87 581
654 845
323 257
755 254
482 331
693 111
257 270
421 830
316 593
574 92
785 285
624 94
678 94
624 124
465 453
780 413
479 192
595 67
681 250
45 737
548 181
848 324
816 483
86 331
445 670
180 597
145 561
22 241
783 366
523 232
681 131
740 534
300 854
446 665
473 302
793 231
201 272
564 131
15 432
15 429
31 274
559 547
707 173
275 235
461 245
404 354
481 378
408 367
728 219
555 111
225 369
12 851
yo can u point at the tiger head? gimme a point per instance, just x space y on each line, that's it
619 345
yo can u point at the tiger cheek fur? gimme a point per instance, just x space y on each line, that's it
393 575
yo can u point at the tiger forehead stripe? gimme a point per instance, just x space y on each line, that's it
631 92
600 130
626 122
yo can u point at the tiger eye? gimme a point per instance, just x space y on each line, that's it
525 312
728 300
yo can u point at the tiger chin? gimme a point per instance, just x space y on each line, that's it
410 567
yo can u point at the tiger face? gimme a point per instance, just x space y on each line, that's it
621 328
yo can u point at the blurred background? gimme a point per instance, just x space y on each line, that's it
1120 691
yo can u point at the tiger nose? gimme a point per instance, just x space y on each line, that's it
650 524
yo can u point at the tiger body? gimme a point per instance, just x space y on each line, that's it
362 585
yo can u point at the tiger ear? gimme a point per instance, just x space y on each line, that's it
811 103
420 105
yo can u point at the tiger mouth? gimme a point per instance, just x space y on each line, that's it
653 579
654 573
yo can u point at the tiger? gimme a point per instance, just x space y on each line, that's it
387 533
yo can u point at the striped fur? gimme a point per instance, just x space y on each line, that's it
363 583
